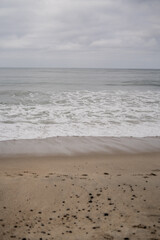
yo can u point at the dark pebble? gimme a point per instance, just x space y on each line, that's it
106 214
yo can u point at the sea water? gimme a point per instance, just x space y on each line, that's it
47 102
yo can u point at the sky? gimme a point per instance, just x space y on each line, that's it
80 33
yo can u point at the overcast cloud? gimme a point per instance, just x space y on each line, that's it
80 33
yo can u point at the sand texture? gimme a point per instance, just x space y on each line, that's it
90 197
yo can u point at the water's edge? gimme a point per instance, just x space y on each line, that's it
70 146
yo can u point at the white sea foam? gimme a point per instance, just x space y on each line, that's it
36 114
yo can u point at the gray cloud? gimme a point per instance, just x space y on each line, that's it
80 33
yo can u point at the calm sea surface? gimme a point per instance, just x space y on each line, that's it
40 103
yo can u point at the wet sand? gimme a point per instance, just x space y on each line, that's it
90 196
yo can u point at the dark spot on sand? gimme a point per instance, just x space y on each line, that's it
106 214
140 226
95 227
153 174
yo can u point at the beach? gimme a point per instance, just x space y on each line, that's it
68 191
80 120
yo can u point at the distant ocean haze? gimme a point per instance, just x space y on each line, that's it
41 103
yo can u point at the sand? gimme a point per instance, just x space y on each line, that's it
90 196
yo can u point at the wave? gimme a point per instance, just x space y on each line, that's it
80 113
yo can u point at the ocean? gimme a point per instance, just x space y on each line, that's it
39 103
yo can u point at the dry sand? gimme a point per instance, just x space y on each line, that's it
90 196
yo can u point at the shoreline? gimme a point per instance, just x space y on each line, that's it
72 146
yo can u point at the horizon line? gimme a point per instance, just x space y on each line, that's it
111 68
